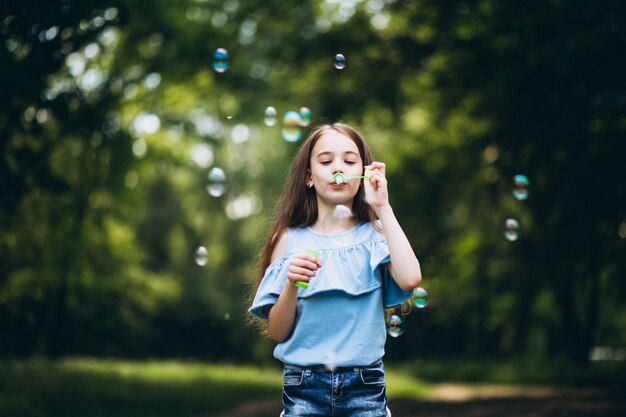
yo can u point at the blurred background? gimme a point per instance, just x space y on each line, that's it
145 143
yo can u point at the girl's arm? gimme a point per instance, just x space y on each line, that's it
282 315
404 267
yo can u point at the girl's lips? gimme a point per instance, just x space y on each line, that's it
335 185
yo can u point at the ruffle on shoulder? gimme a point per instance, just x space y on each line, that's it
353 270
270 288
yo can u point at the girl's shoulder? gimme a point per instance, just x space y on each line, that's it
280 246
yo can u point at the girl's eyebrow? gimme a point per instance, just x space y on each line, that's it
324 153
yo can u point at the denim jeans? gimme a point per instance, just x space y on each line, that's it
315 391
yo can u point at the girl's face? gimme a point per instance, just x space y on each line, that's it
335 152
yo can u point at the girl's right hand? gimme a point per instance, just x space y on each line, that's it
302 267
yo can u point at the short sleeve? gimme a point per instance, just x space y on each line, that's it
393 295
270 288
379 254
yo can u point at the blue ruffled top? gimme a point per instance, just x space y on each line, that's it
339 317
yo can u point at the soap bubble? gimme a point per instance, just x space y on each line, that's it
342 212
220 60
394 325
217 182
511 229
521 185
419 297
333 227
201 256
270 116
340 61
305 116
292 122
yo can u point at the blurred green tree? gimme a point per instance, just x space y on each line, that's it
113 117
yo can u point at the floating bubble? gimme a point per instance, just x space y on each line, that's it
270 116
305 116
340 61
520 189
394 325
201 256
335 227
342 212
292 131
511 229
419 297
220 60
217 182
405 308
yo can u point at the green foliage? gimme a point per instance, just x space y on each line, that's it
112 117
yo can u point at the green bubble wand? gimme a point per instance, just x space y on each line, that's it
339 178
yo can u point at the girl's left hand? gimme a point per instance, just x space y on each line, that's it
376 194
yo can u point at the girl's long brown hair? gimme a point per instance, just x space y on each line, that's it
297 205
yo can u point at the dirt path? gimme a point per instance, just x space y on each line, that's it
564 404
485 401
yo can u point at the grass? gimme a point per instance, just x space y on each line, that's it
108 388
83 387
553 373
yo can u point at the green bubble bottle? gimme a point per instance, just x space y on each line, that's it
314 253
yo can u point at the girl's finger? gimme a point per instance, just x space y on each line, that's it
306 261
380 166
377 179
297 277
302 271
310 265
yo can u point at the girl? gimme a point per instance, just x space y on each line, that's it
325 307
